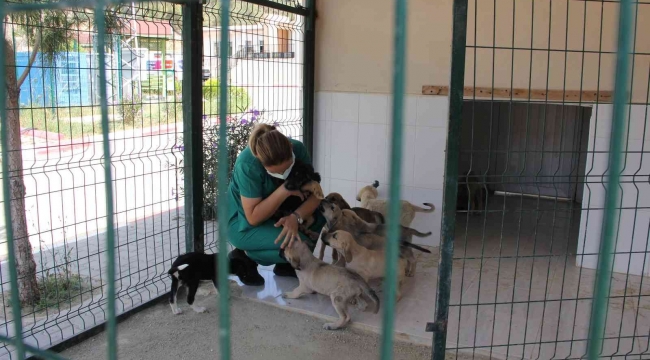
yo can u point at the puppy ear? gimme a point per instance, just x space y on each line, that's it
347 254
317 177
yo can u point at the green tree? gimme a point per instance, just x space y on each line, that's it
47 33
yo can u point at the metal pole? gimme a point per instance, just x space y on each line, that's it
394 203
605 257
193 125
308 77
456 83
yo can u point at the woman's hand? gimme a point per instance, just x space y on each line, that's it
290 231
288 193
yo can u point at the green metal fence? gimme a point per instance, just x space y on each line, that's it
112 174
544 235
499 246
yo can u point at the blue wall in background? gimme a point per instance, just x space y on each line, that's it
67 82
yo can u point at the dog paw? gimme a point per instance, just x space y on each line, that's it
330 326
286 295
199 309
177 311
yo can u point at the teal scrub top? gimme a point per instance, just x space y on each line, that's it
250 179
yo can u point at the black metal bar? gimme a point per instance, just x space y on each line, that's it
274 5
308 78
456 84
193 125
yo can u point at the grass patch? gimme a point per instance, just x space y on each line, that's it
68 121
57 289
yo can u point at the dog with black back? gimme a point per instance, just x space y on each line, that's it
302 177
189 270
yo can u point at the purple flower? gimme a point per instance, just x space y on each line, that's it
181 147
244 121
276 124
254 118
255 112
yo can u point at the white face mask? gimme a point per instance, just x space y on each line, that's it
286 173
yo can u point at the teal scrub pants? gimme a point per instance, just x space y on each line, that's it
258 242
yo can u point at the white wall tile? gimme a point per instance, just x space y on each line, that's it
601 120
323 106
639 115
343 144
429 161
347 189
322 148
345 107
372 153
432 110
373 108
410 110
408 155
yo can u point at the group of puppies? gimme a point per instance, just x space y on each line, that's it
357 236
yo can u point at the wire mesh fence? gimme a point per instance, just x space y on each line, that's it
57 154
536 163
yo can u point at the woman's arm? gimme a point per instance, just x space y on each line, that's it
257 210
308 207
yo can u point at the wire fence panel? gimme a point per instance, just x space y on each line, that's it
66 116
538 154
265 55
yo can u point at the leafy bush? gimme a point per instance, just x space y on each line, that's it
238 99
239 130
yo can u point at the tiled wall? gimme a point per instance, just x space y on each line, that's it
633 225
352 145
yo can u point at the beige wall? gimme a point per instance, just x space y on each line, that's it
354 45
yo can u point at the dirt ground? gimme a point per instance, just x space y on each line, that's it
259 331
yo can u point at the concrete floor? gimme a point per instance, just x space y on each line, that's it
516 292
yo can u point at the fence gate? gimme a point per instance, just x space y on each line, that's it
111 136
545 235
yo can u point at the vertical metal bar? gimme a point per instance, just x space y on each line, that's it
193 125
110 231
222 200
394 207
13 277
605 257
456 83
308 78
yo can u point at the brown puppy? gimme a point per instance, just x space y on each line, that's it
370 216
369 264
370 236
341 285
368 197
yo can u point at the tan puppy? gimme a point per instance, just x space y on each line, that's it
341 285
370 236
368 197
369 216
369 264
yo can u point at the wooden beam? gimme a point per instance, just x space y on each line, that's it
525 94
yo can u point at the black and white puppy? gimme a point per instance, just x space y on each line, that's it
189 270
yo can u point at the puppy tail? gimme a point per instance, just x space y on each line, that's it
369 296
416 247
412 232
421 209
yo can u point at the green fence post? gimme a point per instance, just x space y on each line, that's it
308 77
193 125
223 167
394 203
600 304
108 182
456 84
13 278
